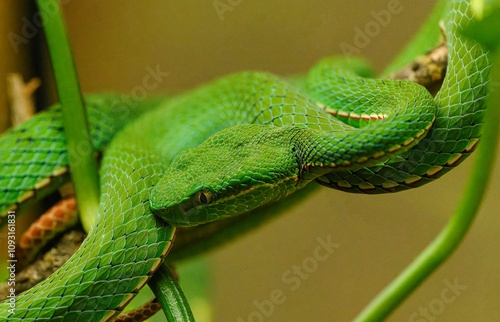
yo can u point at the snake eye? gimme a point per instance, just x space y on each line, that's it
203 197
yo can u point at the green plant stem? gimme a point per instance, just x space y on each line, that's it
80 152
449 238
169 294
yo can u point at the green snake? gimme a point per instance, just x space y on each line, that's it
249 139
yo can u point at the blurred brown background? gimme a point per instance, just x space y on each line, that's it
115 41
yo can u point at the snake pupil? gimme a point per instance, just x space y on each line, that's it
203 197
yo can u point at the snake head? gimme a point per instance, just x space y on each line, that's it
234 171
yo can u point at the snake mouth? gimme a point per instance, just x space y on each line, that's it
186 208
180 215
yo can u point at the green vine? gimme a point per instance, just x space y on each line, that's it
170 295
454 232
80 153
